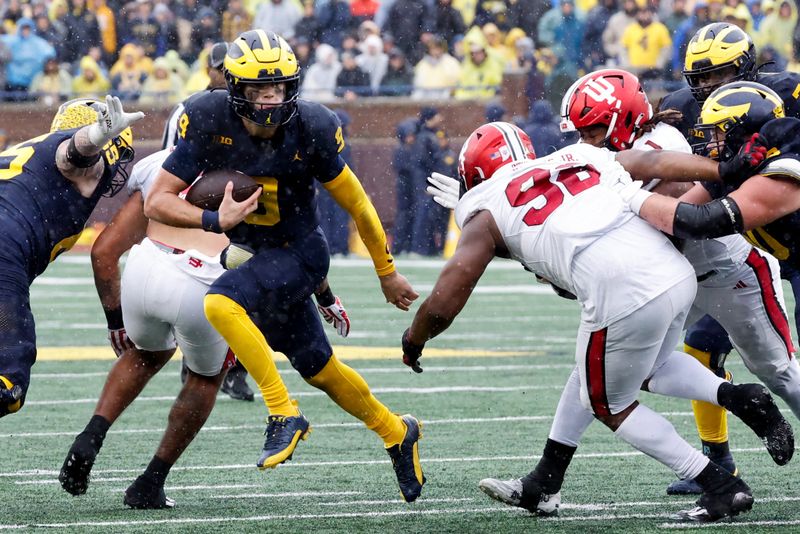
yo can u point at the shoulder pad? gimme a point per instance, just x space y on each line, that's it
682 100
203 109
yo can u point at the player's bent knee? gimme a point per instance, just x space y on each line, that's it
614 421
218 308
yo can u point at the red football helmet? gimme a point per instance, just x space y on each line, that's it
490 147
610 97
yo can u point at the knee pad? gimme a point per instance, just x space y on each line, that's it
12 396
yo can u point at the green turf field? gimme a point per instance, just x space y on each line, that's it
484 415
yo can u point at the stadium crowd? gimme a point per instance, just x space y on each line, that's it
154 50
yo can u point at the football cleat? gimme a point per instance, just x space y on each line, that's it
753 404
144 494
283 434
689 486
235 386
728 502
77 467
510 492
405 460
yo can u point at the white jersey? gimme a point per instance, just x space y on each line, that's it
144 172
559 218
711 258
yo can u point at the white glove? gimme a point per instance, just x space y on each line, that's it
120 341
633 195
336 315
111 121
444 190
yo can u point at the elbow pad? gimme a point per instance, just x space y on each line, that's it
714 219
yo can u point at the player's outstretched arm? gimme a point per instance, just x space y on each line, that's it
79 159
667 165
477 246
127 228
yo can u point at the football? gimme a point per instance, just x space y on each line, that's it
207 192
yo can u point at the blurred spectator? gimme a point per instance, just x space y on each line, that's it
167 36
542 129
52 85
740 16
363 10
142 28
407 21
700 17
399 76
525 59
558 80
448 21
569 34
90 82
107 25
437 74
82 31
205 31
351 82
646 46
303 54
4 143
5 57
186 12
334 21
367 28
594 55
491 12
334 221
279 16
320 80
350 44
617 24
10 14
777 28
28 53
373 60
525 14
235 20
128 74
308 26
481 75
495 111
494 43
161 86
177 66
770 60
46 30
409 175
756 8
676 17
430 219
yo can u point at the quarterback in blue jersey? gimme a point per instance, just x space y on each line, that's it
717 54
260 128
49 186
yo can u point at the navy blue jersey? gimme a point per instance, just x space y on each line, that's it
781 237
41 212
212 136
785 84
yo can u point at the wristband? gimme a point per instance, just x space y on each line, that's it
326 298
114 318
210 222
81 161
638 199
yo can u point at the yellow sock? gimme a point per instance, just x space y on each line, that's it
350 391
712 421
250 347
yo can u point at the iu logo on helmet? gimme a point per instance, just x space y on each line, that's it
600 90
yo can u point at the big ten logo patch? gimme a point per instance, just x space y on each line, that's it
222 140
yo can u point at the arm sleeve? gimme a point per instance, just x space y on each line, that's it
349 194
715 219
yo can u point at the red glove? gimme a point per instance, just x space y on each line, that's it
744 163
120 341
336 315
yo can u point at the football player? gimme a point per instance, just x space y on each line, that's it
165 280
719 53
559 217
49 186
259 127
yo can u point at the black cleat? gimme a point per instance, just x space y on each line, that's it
729 501
145 494
235 386
283 434
74 474
753 404
405 460
510 492
690 486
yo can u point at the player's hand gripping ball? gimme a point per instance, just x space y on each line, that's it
209 190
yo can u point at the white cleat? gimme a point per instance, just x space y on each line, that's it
510 492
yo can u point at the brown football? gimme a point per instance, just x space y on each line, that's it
207 192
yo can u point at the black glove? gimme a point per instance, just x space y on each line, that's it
412 353
744 164
9 399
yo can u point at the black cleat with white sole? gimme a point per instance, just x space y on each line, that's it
146 494
511 492
729 501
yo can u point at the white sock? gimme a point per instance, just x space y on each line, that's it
572 418
683 376
650 433
786 385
